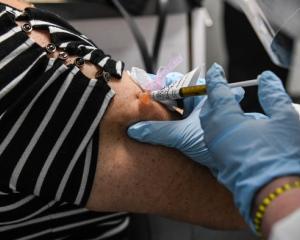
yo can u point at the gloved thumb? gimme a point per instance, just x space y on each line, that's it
256 116
272 95
155 132
239 93
218 91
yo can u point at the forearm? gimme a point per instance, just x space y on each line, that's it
282 206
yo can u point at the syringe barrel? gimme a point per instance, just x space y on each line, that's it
193 91
198 90
166 94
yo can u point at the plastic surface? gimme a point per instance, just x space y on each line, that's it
276 22
287 228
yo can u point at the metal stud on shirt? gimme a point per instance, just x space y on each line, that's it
63 55
51 48
26 27
79 62
106 76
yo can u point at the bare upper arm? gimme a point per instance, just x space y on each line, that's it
143 178
17 4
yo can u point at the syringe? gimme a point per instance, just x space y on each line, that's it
179 93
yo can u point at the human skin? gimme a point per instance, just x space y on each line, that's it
281 207
143 178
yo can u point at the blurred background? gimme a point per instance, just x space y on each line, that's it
201 33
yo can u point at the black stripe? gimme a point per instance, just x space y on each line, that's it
15 149
15 102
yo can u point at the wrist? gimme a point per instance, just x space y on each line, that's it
281 206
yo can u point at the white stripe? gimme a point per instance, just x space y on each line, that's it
62 237
82 35
10 33
37 134
82 223
65 44
80 148
34 22
50 63
2 13
119 67
73 225
88 56
87 47
12 11
3 193
49 217
16 204
87 137
103 61
63 136
85 174
16 52
18 123
116 230
2 115
21 119
108 223
16 81
46 207
56 147
59 30
35 235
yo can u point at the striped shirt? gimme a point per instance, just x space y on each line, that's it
49 125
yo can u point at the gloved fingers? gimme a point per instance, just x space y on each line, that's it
239 93
297 108
256 116
155 132
151 76
190 103
219 93
272 95
221 112
172 78
193 104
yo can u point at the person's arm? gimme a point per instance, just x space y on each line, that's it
142 178
17 3
281 207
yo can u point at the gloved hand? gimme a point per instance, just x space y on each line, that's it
248 153
186 135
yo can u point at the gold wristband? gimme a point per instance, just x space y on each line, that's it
259 215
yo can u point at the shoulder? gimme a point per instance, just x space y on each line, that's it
19 4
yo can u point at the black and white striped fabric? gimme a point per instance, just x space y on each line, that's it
49 126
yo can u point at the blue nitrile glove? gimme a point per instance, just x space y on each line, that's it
186 135
248 153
